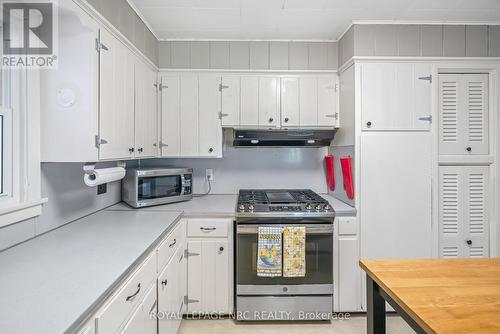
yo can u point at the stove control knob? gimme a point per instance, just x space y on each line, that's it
318 207
309 207
241 207
326 207
250 207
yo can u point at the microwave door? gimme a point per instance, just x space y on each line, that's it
159 187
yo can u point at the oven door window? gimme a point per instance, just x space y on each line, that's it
159 186
319 264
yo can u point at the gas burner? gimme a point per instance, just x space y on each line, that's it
282 203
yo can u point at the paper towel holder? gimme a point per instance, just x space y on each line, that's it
89 167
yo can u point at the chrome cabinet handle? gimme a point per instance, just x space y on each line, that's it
164 282
135 294
140 150
131 150
211 228
286 119
271 120
173 243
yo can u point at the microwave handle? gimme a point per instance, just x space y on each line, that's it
182 184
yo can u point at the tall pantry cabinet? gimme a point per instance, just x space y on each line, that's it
464 188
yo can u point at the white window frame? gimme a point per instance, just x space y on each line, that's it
22 197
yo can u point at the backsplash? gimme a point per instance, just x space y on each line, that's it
68 199
259 167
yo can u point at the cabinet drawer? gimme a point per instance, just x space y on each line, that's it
169 246
208 227
348 226
114 314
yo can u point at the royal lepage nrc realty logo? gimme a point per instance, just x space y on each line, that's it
29 33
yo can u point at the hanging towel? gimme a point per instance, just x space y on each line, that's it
294 251
269 251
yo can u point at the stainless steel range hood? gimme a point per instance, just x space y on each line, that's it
278 138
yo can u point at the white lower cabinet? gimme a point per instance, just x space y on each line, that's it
209 271
171 292
116 312
347 294
143 320
464 211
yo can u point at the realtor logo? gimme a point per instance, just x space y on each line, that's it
29 34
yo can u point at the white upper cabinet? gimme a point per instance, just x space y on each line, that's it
269 103
395 96
250 101
290 110
170 116
189 111
190 116
464 211
116 112
145 111
309 101
260 101
69 96
463 114
249 115
210 129
230 90
328 114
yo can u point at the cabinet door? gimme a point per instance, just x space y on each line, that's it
395 194
327 102
145 111
230 101
210 130
463 114
116 110
189 115
394 96
349 284
269 102
290 102
464 211
170 116
168 298
142 321
249 101
308 101
208 276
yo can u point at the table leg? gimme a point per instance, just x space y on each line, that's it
375 308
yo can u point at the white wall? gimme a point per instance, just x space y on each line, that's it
261 167
68 199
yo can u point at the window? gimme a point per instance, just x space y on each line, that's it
5 135
19 145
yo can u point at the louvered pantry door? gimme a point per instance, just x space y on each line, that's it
463 211
463 114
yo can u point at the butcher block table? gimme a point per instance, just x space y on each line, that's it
435 295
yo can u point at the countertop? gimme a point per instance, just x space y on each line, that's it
208 205
52 283
222 206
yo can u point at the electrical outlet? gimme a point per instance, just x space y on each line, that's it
209 172
102 188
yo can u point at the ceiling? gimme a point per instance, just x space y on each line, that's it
299 19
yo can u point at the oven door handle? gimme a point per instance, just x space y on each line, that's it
310 228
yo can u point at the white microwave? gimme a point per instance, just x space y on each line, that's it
143 187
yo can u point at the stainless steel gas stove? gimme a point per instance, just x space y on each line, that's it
284 298
282 203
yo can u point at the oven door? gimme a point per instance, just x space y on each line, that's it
319 263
